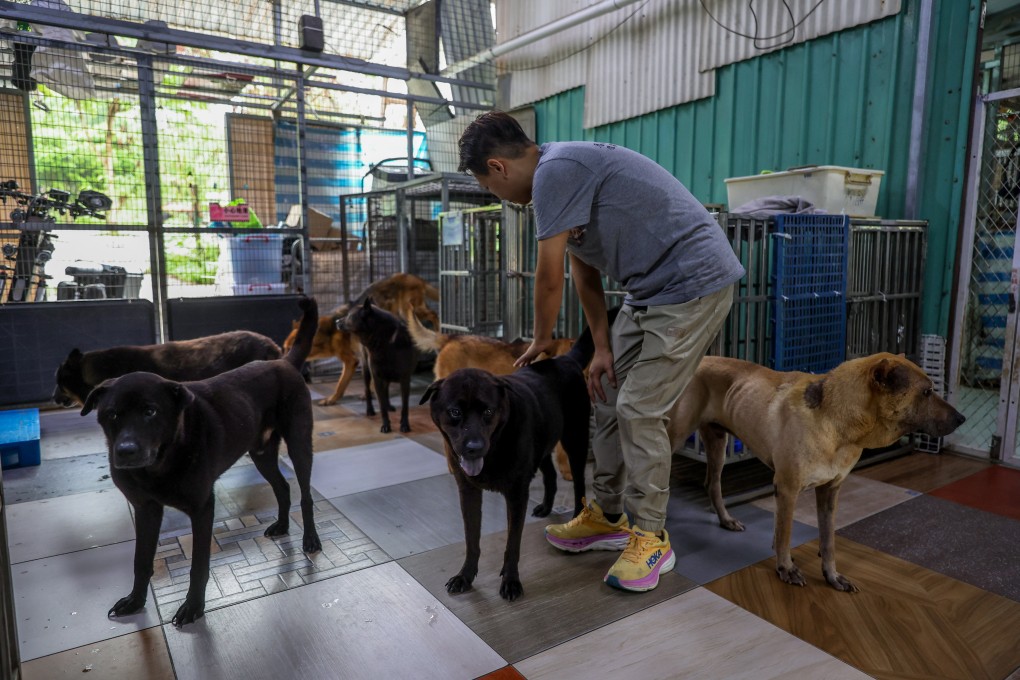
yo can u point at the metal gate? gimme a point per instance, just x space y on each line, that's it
984 375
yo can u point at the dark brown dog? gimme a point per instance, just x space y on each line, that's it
170 441
455 351
180 360
392 357
498 431
810 429
329 342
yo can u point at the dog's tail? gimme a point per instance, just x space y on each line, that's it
584 348
305 333
424 339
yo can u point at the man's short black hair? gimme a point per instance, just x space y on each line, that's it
491 134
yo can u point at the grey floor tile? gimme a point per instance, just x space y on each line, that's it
971 545
373 466
58 477
65 432
705 551
414 517
376 622
68 523
61 602
564 594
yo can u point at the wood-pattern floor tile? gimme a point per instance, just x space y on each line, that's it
923 471
346 428
129 657
994 489
907 621
858 498
694 635
564 595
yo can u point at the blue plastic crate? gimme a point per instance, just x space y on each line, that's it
19 438
808 295
254 258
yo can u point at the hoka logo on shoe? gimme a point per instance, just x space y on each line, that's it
654 558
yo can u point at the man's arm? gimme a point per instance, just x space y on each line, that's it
548 294
588 281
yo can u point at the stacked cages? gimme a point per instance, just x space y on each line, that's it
471 270
879 273
391 230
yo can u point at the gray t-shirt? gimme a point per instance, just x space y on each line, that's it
633 221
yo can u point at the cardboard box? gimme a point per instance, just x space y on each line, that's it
321 233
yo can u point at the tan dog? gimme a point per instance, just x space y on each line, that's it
394 294
810 429
456 351
331 342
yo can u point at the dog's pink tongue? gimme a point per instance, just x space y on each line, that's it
472 466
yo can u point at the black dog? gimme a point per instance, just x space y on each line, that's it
169 442
499 431
196 359
392 357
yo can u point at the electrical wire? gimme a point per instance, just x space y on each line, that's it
761 39
586 47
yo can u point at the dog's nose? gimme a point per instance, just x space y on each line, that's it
959 418
126 449
473 446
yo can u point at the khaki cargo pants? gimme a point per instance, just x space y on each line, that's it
656 351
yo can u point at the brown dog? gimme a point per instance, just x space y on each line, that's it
394 294
329 342
810 429
179 360
398 292
455 351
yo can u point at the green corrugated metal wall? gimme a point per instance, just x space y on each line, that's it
843 99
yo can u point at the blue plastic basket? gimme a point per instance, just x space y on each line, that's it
809 280
19 438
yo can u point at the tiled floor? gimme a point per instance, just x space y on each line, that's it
932 541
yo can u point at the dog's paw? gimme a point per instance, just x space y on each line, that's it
311 544
328 401
404 427
188 613
278 528
370 411
791 575
542 510
731 524
841 583
458 584
126 605
510 589
385 428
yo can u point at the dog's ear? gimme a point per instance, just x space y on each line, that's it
95 396
75 356
432 389
367 306
182 395
891 375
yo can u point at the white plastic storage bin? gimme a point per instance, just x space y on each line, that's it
832 188
253 258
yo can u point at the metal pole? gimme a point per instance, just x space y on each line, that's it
918 117
307 269
153 194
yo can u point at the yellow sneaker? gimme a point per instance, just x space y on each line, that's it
590 530
639 566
